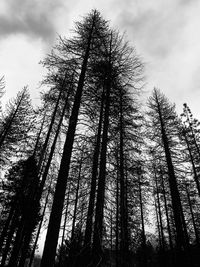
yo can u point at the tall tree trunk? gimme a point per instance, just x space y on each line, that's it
25 245
159 213
158 224
39 228
27 231
46 169
49 252
192 214
13 262
44 147
144 263
117 215
123 208
98 226
64 227
89 222
76 200
39 135
167 214
176 202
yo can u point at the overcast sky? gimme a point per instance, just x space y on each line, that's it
166 34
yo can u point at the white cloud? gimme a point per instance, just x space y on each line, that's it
32 17
19 63
166 35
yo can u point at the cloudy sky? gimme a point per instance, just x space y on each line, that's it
166 35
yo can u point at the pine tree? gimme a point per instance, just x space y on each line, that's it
190 135
121 63
87 31
16 126
22 181
165 130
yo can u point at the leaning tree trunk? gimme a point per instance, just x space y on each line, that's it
49 252
176 202
44 147
53 146
42 183
27 229
39 135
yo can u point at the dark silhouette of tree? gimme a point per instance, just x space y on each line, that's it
88 166
89 222
165 123
16 125
87 30
21 182
190 203
190 134
40 226
114 84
